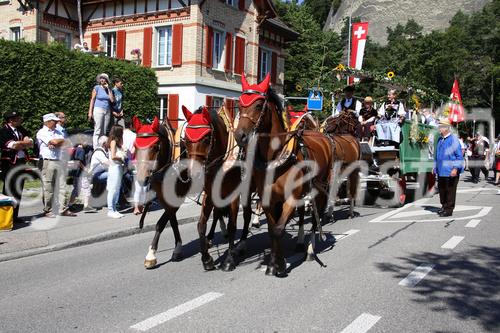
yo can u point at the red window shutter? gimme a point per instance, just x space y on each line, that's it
147 47
228 67
239 55
208 100
230 107
274 67
173 109
209 47
241 4
121 38
177 45
94 41
259 64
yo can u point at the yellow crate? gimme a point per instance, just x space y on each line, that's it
6 217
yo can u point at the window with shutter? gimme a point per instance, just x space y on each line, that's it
208 47
120 44
239 55
164 46
228 67
94 41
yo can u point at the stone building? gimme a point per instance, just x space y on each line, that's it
198 48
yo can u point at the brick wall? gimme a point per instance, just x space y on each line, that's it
12 17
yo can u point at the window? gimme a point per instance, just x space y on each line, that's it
163 107
15 34
265 64
164 46
218 50
62 37
217 102
110 44
231 2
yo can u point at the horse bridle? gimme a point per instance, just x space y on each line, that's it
256 122
212 140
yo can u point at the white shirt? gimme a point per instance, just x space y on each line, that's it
99 157
129 142
10 145
348 102
43 137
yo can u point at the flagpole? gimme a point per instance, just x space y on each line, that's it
349 41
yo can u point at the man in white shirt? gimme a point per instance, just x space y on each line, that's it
50 142
348 103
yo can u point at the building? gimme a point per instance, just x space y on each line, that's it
198 48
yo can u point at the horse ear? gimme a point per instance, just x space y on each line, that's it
187 113
205 113
244 82
136 123
264 85
305 108
155 126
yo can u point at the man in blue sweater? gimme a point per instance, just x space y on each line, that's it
449 164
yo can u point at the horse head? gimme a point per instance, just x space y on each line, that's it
199 138
147 144
254 102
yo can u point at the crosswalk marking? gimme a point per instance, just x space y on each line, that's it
452 242
416 276
362 324
472 223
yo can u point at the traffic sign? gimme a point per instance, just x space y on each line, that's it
315 100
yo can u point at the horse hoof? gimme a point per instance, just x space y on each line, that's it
300 247
149 264
209 264
177 256
228 265
270 271
210 243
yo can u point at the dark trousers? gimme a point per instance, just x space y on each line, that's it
476 166
448 192
14 183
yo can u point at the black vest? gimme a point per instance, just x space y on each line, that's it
7 135
351 107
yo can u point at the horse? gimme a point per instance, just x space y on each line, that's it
155 148
261 117
347 149
209 142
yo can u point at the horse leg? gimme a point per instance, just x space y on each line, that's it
353 181
206 259
256 220
177 254
150 261
211 233
277 231
300 236
229 263
247 216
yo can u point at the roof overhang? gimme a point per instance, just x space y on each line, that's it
277 26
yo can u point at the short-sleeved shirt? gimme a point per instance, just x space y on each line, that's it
43 137
99 158
117 106
101 98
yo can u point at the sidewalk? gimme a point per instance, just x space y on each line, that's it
43 235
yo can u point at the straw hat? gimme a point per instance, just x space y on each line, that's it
102 76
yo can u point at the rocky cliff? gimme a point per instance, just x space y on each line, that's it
430 14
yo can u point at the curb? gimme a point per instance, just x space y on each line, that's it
89 240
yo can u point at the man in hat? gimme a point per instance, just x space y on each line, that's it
349 102
51 141
448 166
14 142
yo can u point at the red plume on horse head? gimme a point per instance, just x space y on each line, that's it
136 123
248 97
155 125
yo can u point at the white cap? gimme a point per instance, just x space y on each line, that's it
50 116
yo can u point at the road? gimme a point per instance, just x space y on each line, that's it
385 271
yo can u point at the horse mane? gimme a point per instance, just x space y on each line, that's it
342 124
273 97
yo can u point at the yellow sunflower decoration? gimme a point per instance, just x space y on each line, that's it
298 87
391 75
340 67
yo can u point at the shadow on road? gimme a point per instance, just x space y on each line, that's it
467 284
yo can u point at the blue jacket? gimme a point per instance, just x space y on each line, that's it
448 156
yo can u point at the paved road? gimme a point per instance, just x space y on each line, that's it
388 271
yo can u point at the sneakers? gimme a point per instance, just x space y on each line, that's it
114 215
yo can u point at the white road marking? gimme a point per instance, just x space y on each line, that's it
346 234
471 190
175 312
452 242
472 223
418 274
413 213
362 324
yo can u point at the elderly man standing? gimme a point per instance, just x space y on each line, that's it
50 141
449 164
14 142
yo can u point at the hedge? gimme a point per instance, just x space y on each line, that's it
38 78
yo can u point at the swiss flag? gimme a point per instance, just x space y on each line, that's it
456 108
358 42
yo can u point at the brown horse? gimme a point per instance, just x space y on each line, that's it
261 119
154 154
208 141
347 150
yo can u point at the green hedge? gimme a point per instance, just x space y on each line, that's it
38 78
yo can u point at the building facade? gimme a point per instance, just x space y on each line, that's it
197 48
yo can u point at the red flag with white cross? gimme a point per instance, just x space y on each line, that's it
358 42
456 114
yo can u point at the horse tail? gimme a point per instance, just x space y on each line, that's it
143 215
